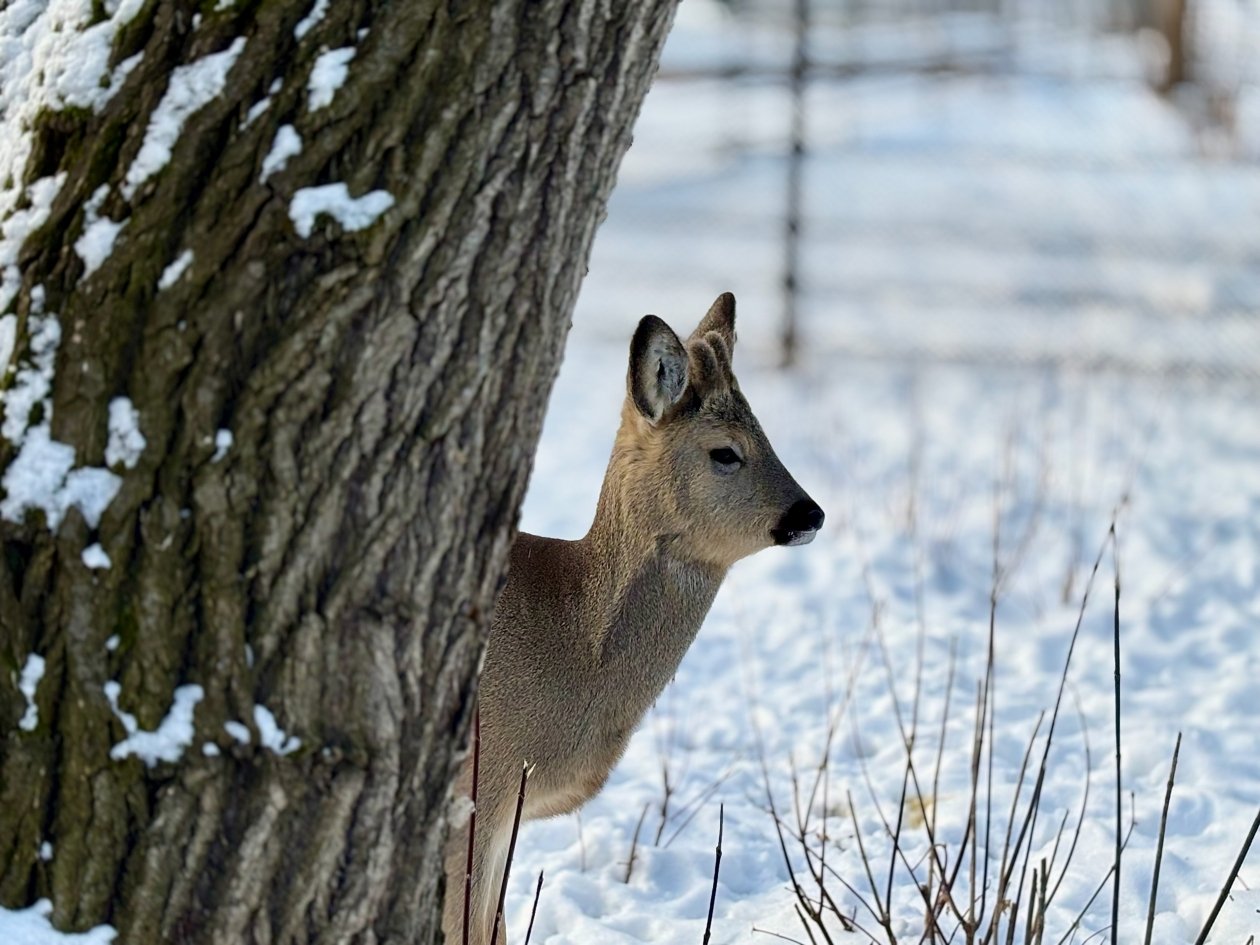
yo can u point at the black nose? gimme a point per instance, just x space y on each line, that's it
799 523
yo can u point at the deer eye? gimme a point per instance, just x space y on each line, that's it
726 457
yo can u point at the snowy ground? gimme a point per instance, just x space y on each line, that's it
1025 299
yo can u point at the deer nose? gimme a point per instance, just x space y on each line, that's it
799 524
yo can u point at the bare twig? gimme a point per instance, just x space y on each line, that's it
717 865
472 821
667 792
696 804
1115 893
782 938
1229 881
882 916
534 910
1080 819
1076 922
1159 846
634 844
507 866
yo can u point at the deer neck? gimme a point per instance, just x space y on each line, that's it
649 592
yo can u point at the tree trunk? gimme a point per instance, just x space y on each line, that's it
338 411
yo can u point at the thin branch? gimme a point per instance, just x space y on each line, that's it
534 911
634 843
1115 894
472 821
1229 881
717 865
1159 846
507 866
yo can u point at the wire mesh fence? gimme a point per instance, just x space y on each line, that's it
1014 181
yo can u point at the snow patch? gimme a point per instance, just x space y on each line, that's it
222 443
32 673
271 735
46 851
96 243
311 20
17 225
287 144
52 56
30 926
210 750
171 274
191 88
33 383
42 475
353 213
461 810
173 734
112 643
328 75
8 338
262 104
90 489
94 557
255 110
126 442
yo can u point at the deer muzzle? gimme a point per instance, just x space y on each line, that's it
799 524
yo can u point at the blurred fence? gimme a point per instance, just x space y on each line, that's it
1021 181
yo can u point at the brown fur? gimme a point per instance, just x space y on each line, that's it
587 633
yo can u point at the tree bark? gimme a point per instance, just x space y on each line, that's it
383 387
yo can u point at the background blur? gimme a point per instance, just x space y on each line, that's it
998 276
1016 180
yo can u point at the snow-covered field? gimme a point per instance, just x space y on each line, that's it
1029 314
1029 307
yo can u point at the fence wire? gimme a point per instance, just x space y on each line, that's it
1014 180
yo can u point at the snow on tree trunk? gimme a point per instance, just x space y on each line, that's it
283 290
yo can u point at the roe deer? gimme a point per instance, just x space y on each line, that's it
587 633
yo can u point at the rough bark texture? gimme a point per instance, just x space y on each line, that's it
384 390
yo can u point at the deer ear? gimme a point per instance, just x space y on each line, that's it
658 368
720 318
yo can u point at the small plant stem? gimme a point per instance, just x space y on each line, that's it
507 866
717 865
1115 894
782 938
805 923
472 821
667 791
1040 928
1030 919
881 916
822 868
1159 846
534 910
1229 881
634 844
